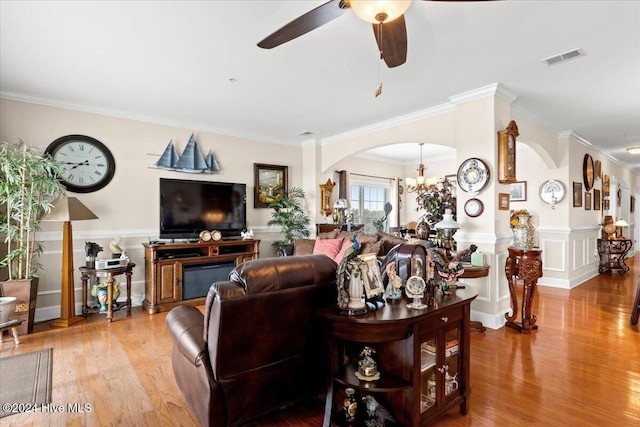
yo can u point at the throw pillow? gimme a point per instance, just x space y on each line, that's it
371 248
329 234
389 241
329 247
366 238
346 244
303 246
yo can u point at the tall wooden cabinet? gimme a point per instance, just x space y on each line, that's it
422 356
181 273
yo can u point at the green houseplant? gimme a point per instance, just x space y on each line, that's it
289 215
28 186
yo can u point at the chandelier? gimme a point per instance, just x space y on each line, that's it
420 184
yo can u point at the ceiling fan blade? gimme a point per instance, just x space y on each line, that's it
394 41
311 20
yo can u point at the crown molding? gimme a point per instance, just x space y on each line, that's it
121 114
494 89
385 124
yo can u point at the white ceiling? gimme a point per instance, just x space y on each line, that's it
196 65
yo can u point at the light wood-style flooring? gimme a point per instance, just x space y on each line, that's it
581 368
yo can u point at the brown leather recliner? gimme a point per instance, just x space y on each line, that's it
259 345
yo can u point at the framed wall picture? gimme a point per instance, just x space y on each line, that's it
605 204
453 180
507 153
606 185
577 194
503 201
632 204
598 166
597 199
270 183
588 173
371 275
518 191
587 201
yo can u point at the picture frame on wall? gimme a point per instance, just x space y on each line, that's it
605 204
598 169
632 204
503 201
518 191
587 201
597 199
577 194
606 184
270 184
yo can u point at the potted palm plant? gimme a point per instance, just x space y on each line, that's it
289 214
28 186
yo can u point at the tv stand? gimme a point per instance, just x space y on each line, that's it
175 272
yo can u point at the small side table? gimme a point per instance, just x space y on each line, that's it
13 325
110 273
612 254
525 264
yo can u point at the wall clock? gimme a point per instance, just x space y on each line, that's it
473 175
552 192
473 207
588 172
87 164
507 153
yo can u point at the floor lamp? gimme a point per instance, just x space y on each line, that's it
68 209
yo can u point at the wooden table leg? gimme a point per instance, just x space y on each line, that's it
509 270
109 297
128 273
635 313
85 280
14 331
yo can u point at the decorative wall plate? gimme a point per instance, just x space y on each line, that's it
552 191
588 172
473 207
473 175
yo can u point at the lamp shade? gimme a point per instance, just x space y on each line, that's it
447 223
621 223
69 209
378 11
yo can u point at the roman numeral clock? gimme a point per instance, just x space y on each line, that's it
87 164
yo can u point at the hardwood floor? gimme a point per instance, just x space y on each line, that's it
582 367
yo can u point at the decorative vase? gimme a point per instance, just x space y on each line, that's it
102 298
524 233
356 289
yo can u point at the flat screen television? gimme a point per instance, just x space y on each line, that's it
188 207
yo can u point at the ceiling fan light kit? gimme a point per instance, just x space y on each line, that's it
379 11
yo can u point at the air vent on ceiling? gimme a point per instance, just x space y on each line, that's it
553 60
306 133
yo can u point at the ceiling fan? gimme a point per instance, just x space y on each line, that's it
383 14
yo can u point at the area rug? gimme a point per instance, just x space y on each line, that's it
25 381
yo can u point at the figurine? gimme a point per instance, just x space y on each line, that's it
367 367
115 248
394 290
247 234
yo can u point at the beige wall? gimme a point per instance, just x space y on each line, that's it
128 206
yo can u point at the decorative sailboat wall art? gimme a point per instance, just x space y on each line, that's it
190 161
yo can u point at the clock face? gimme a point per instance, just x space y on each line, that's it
473 207
205 236
87 164
216 235
415 286
552 191
473 175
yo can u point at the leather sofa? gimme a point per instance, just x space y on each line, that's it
259 345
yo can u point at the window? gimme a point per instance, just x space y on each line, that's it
367 202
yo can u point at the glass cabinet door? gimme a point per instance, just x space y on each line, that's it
428 374
452 361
